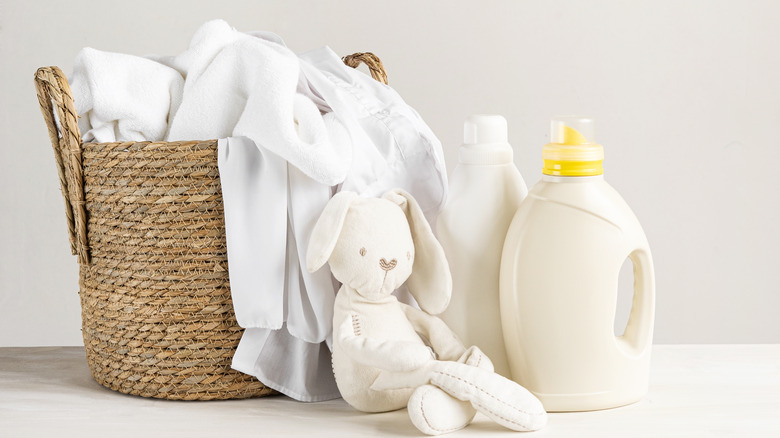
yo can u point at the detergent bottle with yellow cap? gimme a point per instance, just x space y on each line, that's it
559 282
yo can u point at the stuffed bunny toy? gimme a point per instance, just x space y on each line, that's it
380 361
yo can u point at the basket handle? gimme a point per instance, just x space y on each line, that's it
372 61
56 100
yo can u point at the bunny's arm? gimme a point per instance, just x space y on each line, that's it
379 353
444 342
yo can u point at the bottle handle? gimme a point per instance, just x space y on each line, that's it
639 329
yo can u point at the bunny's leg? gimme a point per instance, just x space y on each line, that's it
499 398
434 412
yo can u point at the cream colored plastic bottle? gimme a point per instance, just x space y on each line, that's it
485 190
559 277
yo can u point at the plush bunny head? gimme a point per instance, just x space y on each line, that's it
375 244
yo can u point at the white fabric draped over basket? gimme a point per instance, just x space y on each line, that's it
293 130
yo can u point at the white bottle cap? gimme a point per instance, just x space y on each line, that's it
485 140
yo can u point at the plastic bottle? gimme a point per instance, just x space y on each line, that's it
559 276
485 190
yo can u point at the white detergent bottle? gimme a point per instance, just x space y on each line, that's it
559 281
485 190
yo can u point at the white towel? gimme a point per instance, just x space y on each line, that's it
123 97
242 85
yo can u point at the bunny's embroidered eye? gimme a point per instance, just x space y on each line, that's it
362 251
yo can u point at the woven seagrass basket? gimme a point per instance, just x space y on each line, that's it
146 221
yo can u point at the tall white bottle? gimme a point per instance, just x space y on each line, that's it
485 190
559 280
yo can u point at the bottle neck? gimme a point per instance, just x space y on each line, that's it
572 179
485 154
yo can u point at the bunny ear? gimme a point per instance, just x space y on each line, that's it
327 230
430 282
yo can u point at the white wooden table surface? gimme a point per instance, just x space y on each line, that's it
695 390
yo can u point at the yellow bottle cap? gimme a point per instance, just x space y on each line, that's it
572 150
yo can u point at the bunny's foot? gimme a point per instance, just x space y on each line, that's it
434 412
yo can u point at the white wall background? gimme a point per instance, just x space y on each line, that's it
686 97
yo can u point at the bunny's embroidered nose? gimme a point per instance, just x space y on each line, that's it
384 264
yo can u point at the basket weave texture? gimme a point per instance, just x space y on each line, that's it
146 221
